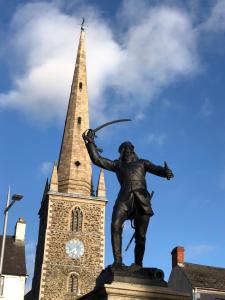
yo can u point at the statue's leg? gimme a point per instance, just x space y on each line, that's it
141 222
118 218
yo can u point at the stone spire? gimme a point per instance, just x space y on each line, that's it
74 168
54 179
101 190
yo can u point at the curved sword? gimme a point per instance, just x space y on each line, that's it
91 132
109 123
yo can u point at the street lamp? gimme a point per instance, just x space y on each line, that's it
15 197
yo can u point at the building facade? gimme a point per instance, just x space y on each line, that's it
200 281
70 248
14 265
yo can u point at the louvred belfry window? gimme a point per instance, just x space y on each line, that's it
73 284
76 219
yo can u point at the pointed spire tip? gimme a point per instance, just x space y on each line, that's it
82 24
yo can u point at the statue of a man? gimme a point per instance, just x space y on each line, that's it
133 201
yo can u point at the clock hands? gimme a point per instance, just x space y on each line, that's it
75 248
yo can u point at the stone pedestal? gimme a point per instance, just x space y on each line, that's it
129 291
136 275
132 284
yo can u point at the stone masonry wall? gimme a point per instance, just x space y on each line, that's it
40 249
57 264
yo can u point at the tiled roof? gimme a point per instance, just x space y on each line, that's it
14 257
205 276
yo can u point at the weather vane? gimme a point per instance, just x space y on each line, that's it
82 24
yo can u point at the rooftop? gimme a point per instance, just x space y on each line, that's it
205 276
14 257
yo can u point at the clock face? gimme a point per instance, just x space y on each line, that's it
75 249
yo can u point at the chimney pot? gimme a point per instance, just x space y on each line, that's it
178 256
20 230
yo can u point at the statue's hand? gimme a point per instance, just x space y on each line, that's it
169 173
88 136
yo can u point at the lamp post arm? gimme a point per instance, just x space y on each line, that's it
9 206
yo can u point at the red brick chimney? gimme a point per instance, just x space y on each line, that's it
178 256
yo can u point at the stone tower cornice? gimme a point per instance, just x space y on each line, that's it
71 196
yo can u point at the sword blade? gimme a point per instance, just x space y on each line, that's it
130 242
109 123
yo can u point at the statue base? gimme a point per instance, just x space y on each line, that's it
129 283
133 274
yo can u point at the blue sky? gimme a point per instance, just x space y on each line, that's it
161 63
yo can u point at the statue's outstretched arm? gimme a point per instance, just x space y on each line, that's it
158 170
95 157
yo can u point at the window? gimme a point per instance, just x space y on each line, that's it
80 85
79 120
76 219
73 283
77 163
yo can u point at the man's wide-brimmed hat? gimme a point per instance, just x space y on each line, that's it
125 144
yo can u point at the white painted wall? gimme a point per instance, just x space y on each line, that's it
13 287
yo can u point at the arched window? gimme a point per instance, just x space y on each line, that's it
73 283
76 219
80 85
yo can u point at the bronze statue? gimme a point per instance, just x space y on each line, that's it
133 201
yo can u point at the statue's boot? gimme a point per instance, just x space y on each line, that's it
134 267
139 251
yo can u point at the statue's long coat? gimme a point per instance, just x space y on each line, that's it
131 177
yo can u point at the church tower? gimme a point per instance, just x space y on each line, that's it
70 249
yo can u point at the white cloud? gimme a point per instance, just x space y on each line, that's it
166 103
206 108
154 53
216 19
46 167
157 139
140 116
198 250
